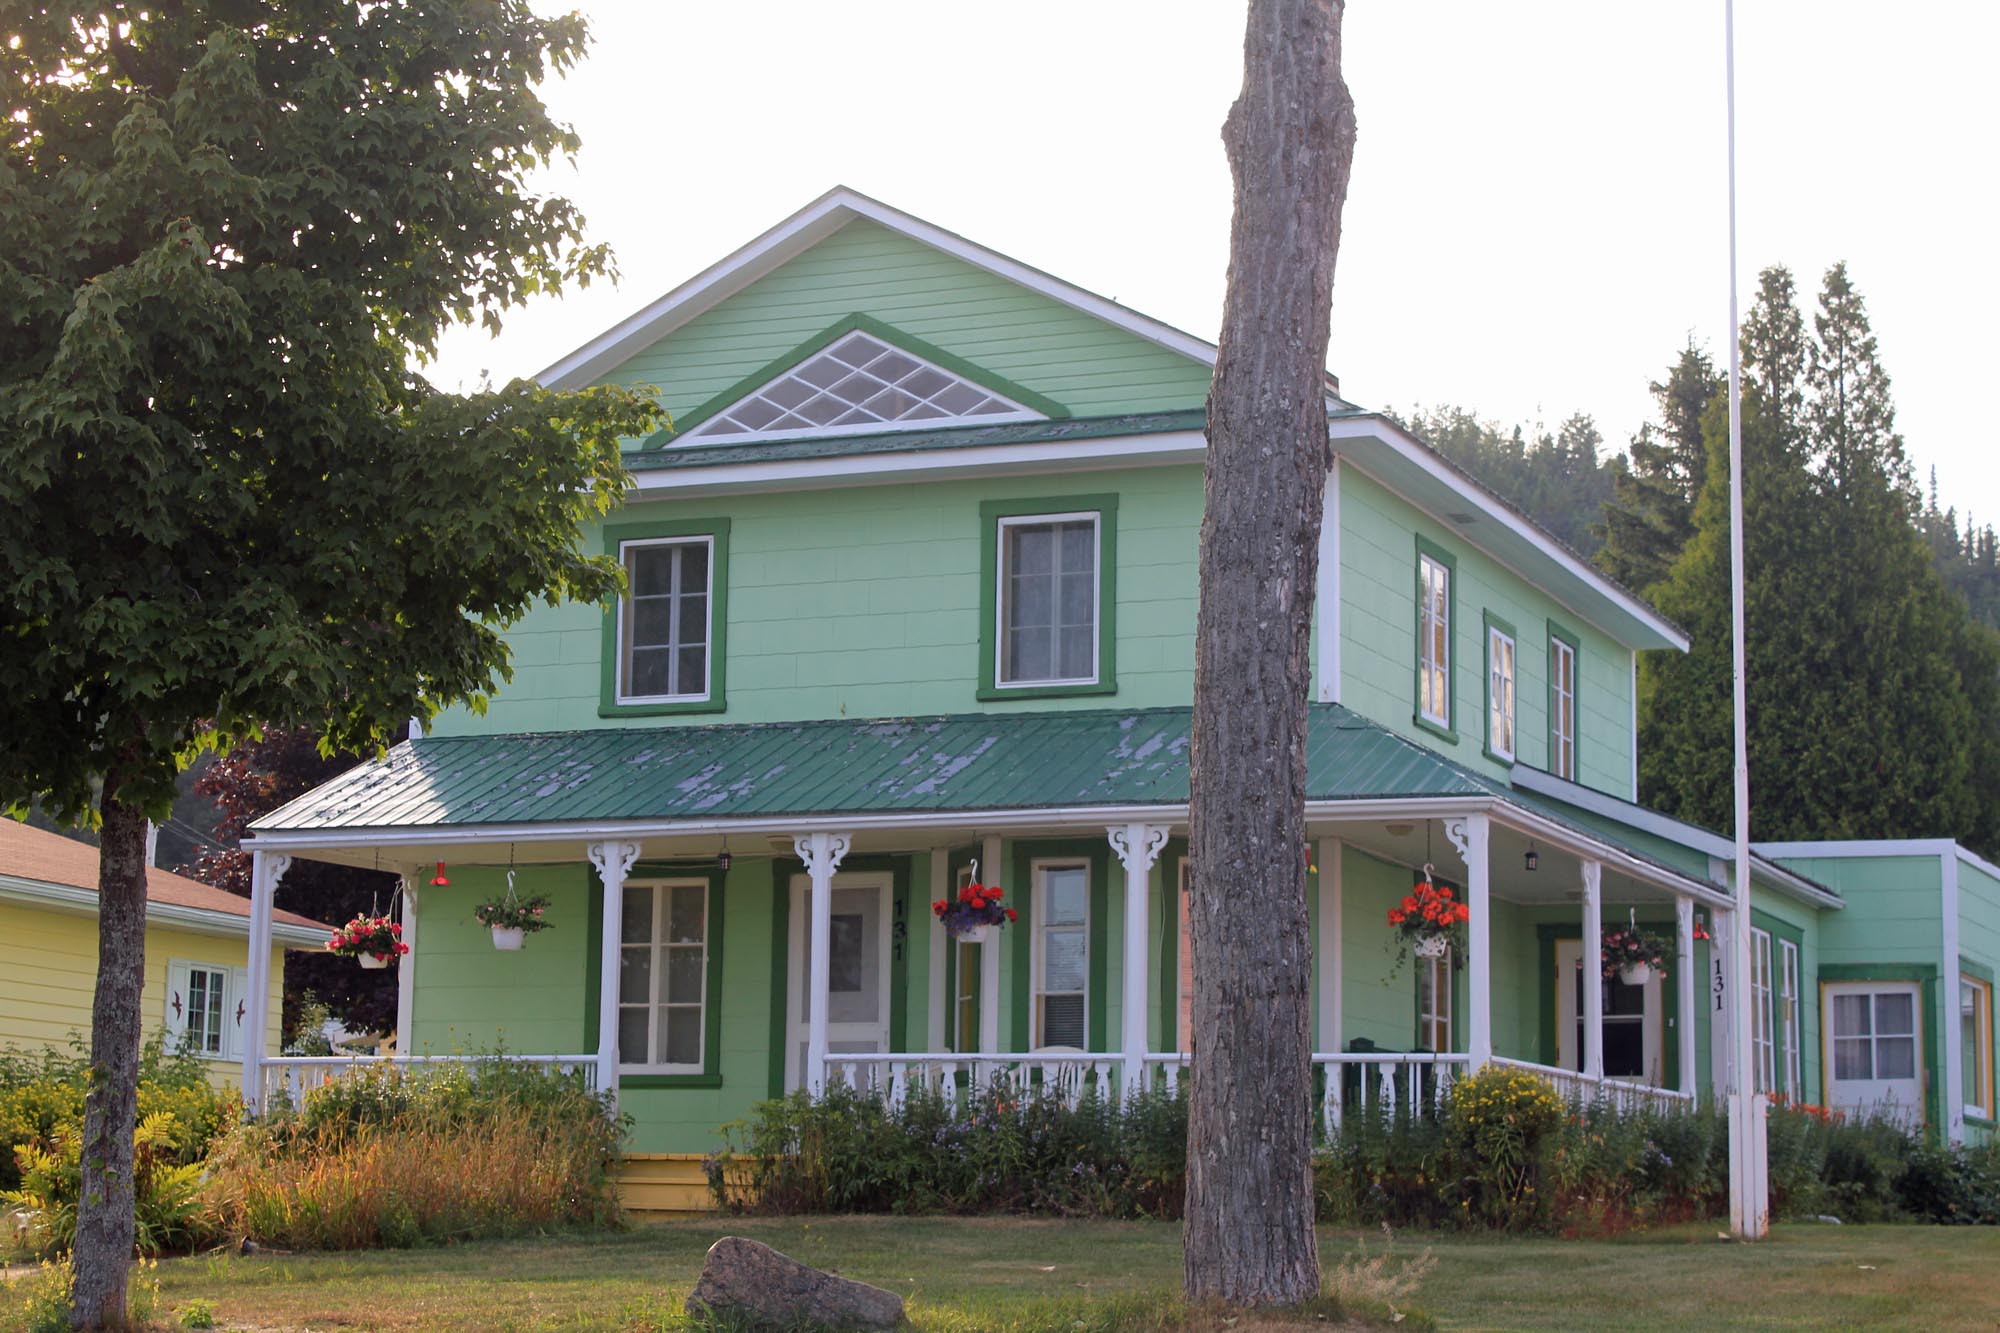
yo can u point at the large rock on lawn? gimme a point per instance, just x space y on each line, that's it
752 1281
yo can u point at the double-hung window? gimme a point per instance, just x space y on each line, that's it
1562 706
1434 1003
1434 613
1500 690
1048 599
1789 1022
1062 954
202 1001
1760 1008
663 641
1975 1044
663 990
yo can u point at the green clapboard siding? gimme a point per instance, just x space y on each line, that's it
1378 636
1090 368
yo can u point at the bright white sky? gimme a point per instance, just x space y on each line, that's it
1536 220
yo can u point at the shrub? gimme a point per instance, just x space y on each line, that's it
41 1099
397 1158
1495 1125
166 1192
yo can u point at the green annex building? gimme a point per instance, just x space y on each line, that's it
912 588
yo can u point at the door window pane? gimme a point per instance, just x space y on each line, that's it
1062 947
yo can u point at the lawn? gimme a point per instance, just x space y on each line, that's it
961 1275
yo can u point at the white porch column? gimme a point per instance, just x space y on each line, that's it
1472 836
1138 846
1331 897
940 999
406 968
1592 978
822 853
1684 988
613 861
989 953
266 869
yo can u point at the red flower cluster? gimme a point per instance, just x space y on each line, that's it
1429 908
377 935
976 905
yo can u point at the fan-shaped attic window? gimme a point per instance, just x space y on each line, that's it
858 384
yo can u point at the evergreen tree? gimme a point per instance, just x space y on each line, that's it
1650 516
1558 480
1861 719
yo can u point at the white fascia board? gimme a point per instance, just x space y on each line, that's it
799 233
69 899
1642 627
1691 836
1848 847
927 465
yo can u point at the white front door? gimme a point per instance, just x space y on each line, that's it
857 1009
1633 1049
1873 1032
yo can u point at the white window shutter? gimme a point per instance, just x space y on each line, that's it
177 1002
236 1002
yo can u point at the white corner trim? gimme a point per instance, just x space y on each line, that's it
1411 450
1326 627
1954 1080
67 898
799 233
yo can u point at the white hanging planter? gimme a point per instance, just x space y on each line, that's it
507 937
371 962
1431 946
973 934
1636 974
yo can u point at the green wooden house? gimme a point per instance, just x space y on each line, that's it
912 588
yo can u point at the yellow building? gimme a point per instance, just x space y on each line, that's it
197 952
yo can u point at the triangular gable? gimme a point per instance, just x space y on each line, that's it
861 375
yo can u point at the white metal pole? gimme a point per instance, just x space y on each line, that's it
1591 977
1746 1158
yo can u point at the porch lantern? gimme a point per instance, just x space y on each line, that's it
722 858
1531 861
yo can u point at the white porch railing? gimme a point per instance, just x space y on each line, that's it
1584 1090
293 1076
1344 1084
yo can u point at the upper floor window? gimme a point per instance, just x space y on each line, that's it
859 383
1049 575
1500 690
667 619
663 641
1434 616
1562 705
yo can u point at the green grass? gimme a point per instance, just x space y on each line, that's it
1014 1275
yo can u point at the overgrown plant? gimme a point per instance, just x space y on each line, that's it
166 1191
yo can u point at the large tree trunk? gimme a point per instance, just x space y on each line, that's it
104 1213
1290 138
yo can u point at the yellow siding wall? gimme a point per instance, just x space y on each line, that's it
48 970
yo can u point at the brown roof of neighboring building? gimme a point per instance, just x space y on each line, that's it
37 854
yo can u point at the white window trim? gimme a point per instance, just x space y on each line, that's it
1501 710
656 978
1983 1040
623 665
1426 635
1038 870
1762 992
1096 520
1792 1025
1562 723
235 991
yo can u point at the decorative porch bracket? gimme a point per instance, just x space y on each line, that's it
613 861
1472 836
822 853
1592 977
266 869
1138 847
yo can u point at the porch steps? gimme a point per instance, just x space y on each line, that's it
659 1185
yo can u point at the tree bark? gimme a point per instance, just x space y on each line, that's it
1290 139
104 1226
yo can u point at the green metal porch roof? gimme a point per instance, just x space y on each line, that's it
968 762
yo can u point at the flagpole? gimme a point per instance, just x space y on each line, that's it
1748 1187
